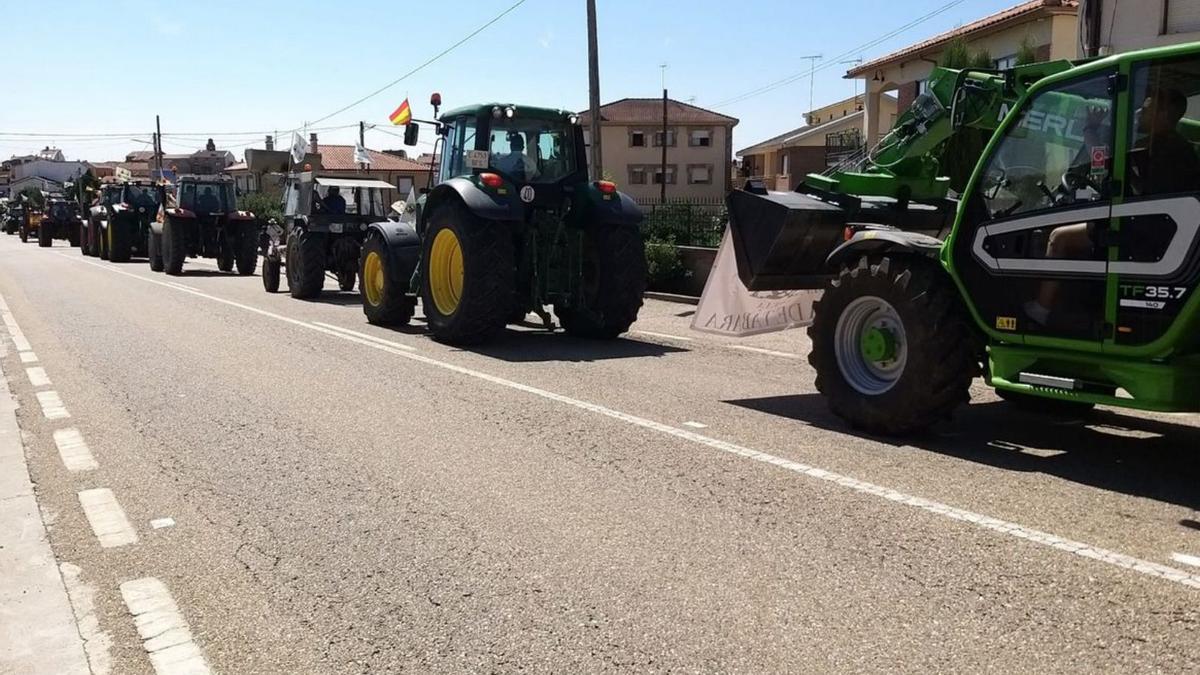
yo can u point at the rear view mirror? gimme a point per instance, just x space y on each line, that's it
411 131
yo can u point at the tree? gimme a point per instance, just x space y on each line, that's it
33 198
1026 53
960 153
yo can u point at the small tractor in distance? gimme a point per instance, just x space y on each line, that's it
1065 272
513 225
326 219
201 219
60 221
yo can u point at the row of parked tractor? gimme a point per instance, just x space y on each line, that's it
496 234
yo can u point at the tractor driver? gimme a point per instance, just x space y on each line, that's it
1163 162
207 201
334 202
516 163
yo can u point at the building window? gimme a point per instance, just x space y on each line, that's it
658 138
700 174
404 185
1005 62
637 139
700 138
1181 17
637 175
658 175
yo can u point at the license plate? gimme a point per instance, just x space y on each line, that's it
335 228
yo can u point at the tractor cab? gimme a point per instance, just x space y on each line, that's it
337 201
206 195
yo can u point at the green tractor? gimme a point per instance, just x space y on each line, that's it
512 226
1065 273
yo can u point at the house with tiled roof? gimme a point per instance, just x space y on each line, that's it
265 170
699 149
1048 26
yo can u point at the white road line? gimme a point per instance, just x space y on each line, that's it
52 405
768 352
28 357
996 525
159 523
695 425
107 518
74 450
183 286
166 636
1186 559
37 376
365 336
665 336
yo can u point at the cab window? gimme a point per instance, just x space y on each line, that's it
460 142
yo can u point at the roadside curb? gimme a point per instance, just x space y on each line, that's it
38 632
672 297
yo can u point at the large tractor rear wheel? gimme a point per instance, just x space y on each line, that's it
467 275
154 251
306 265
246 256
385 298
892 345
45 239
614 279
120 248
174 247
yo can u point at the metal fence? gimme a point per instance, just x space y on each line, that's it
685 222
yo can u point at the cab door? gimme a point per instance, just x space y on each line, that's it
1030 247
1154 258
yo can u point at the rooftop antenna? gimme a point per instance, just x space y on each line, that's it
812 71
856 62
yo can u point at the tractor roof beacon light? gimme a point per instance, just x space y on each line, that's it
436 101
510 112
573 119
496 114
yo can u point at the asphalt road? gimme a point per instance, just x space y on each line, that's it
352 499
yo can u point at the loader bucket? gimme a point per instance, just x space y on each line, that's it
782 239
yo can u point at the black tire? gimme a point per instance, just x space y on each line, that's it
614 281
44 236
90 246
489 277
943 351
75 235
174 249
102 242
154 246
1045 406
270 275
246 255
385 300
346 279
24 233
306 265
120 248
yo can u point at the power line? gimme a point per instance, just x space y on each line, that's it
833 62
414 71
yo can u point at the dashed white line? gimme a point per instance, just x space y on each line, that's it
19 341
107 518
665 336
695 425
1186 559
768 352
28 357
183 286
996 525
159 523
73 450
52 405
166 636
364 336
37 376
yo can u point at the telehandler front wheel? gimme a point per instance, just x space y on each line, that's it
468 275
614 279
384 299
892 345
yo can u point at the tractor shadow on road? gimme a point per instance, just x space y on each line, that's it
336 298
526 346
1110 450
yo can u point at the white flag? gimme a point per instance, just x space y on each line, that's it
361 156
728 308
299 148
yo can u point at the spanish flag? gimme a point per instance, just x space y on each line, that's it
402 115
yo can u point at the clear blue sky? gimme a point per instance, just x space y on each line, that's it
222 66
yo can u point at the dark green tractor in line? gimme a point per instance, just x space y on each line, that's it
512 226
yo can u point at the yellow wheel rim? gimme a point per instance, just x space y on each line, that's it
372 281
109 234
446 272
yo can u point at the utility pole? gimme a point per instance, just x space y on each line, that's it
158 146
594 91
663 193
362 141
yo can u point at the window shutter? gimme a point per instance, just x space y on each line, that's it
1183 17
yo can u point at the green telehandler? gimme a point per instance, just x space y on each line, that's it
1064 273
